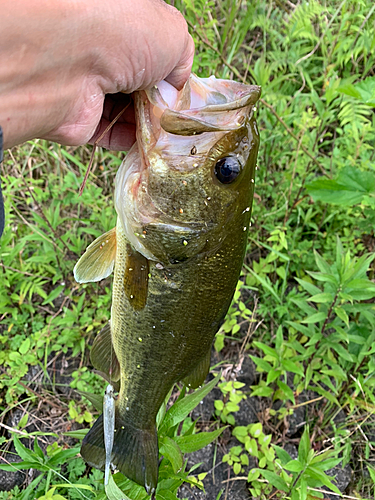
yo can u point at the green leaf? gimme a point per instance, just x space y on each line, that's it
303 489
195 442
180 410
78 434
24 465
361 284
53 295
232 407
219 342
26 454
165 495
315 318
342 352
282 454
325 393
306 330
237 468
341 313
133 490
275 480
113 492
38 451
31 489
170 449
263 391
325 464
322 298
25 346
261 364
320 476
75 486
309 287
286 390
348 189
219 404
349 89
267 285
268 351
294 466
62 456
372 473
293 367
323 265
330 278
304 446
273 375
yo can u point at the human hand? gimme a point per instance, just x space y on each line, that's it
67 62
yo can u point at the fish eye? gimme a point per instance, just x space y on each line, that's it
227 169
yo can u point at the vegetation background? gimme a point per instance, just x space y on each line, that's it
304 311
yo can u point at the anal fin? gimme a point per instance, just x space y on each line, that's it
98 261
103 356
198 375
134 452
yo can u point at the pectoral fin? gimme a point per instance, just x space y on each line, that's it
136 278
103 356
198 375
98 260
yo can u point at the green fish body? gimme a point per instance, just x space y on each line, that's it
183 197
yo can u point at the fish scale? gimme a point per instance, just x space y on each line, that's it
177 253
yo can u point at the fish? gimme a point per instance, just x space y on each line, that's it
183 198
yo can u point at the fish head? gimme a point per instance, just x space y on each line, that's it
190 176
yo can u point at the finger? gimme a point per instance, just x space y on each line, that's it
181 72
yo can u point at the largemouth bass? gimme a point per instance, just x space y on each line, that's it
183 197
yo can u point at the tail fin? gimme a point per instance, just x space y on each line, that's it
134 453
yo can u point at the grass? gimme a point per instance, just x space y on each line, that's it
304 311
